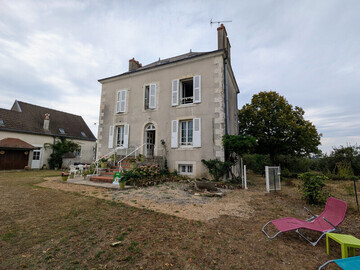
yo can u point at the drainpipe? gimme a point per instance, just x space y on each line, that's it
226 99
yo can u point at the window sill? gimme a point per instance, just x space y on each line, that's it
185 147
186 105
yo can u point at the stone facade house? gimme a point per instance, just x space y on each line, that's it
26 127
177 108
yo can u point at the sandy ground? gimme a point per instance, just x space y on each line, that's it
168 198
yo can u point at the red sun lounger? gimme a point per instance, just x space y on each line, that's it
332 216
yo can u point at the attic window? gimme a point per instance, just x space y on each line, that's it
83 134
62 131
1 123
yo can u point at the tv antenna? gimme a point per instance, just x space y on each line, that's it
218 22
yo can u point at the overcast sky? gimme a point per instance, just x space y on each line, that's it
53 52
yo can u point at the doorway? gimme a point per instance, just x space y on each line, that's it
150 140
35 164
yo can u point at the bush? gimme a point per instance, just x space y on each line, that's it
217 168
312 188
257 162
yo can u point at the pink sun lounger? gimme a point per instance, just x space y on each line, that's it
332 216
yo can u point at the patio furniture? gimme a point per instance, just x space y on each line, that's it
352 263
332 216
347 243
73 170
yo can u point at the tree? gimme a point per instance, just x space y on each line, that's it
60 147
279 128
238 145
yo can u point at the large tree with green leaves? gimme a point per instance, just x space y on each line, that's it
60 147
279 128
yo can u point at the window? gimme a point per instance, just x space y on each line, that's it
36 155
77 153
186 91
120 136
150 97
61 130
83 134
121 101
186 131
1 123
185 169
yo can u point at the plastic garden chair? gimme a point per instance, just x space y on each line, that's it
352 263
332 216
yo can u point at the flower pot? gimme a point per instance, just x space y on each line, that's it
122 185
72 175
64 178
103 164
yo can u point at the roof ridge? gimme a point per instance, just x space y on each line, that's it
46 108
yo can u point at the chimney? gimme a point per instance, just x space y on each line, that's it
223 40
134 65
46 121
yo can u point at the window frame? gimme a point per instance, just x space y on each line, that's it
186 138
117 136
186 167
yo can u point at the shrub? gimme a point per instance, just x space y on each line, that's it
217 168
257 162
312 188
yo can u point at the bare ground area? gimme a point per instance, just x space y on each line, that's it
55 225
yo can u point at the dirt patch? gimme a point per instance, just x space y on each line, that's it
168 198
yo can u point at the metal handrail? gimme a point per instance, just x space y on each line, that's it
120 161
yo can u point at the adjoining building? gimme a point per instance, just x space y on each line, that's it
25 128
178 108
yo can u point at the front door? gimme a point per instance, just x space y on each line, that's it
150 143
35 164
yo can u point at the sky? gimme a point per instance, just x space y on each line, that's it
53 52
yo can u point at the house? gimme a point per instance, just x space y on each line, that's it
177 108
26 127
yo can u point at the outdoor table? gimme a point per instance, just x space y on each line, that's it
346 241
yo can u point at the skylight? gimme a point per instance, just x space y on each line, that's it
62 131
83 134
1 123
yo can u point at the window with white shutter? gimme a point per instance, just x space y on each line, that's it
174 134
126 136
197 132
111 137
121 101
175 93
122 136
152 96
197 88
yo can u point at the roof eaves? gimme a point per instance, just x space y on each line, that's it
163 64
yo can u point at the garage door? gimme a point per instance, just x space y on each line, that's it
13 159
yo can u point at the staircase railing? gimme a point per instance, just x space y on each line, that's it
96 162
121 160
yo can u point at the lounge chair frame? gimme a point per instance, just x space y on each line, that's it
310 220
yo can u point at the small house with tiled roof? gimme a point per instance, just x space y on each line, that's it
177 109
25 128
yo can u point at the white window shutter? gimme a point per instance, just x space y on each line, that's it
111 137
197 88
152 96
122 105
175 93
197 132
126 136
174 133
118 99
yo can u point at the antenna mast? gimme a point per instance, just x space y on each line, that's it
218 22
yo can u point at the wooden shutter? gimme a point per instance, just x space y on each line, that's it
174 134
126 136
111 137
175 93
197 88
152 96
197 132
121 101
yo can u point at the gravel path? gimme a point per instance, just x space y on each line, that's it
168 198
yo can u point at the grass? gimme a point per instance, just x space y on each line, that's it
51 229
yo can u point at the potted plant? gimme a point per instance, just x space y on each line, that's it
103 162
64 176
85 173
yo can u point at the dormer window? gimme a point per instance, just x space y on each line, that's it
83 134
61 130
2 123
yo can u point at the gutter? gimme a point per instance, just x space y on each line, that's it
226 97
